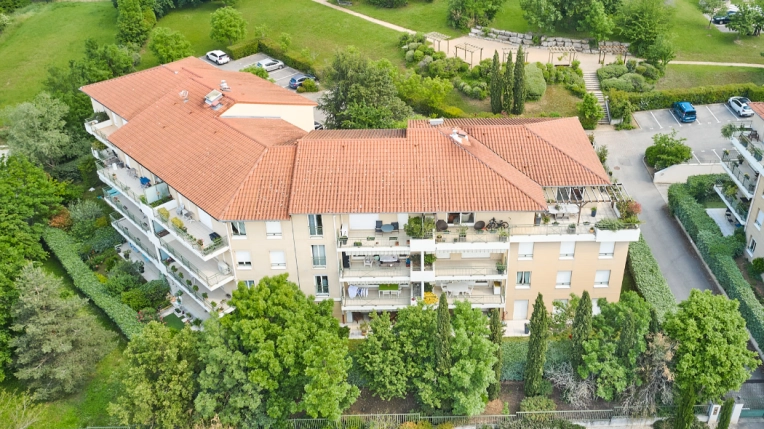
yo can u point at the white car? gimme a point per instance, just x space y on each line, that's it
269 64
740 106
218 57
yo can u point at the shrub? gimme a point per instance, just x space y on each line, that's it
529 424
535 85
611 71
514 353
407 38
648 278
243 49
61 220
418 55
293 59
177 223
439 55
310 85
416 425
758 265
258 71
447 111
410 56
537 403
649 71
698 95
85 280
447 68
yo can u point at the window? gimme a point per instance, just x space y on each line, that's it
563 279
461 218
602 278
248 283
238 229
244 260
607 249
523 280
272 229
322 285
315 225
525 251
759 219
319 256
751 246
278 259
567 249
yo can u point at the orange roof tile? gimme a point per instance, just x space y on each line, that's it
248 88
266 131
355 134
757 107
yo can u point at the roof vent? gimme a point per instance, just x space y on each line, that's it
459 136
224 86
213 99
184 95
436 122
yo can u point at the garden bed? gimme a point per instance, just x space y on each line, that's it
755 281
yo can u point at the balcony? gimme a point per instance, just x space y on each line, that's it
359 271
370 239
375 300
127 182
150 271
469 270
128 209
194 235
101 130
133 235
212 274
741 173
737 203
187 283
482 296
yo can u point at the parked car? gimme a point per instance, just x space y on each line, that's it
723 18
218 57
269 64
684 111
299 79
318 125
740 106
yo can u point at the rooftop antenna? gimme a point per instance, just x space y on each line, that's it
224 86
184 95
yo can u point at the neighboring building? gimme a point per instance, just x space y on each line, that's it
225 182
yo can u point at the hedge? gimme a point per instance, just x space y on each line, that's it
85 280
649 279
718 251
290 58
699 95
535 85
243 49
514 353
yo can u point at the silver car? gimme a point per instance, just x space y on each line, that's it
269 64
740 106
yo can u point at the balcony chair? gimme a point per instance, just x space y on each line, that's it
395 225
378 226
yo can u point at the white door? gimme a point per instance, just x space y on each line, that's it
521 310
205 218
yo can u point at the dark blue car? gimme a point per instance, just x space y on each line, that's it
684 111
299 79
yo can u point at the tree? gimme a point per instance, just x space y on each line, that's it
36 131
132 25
726 414
285 41
295 352
746 21
496 84
597 22
227 25
537 344
57 344
159 378
712 7
443 335
541 14
642 21
518 102
508 90
712 357
361 94
422 93
661 52
589 111
667 150
468 13
381 360
18 410
582 329
654 380
415 328
497 335
169 45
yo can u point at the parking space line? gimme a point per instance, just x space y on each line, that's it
656 120
731 112
286 77
712 114
674 118
717 155
696 157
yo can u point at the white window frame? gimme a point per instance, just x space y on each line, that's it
319 284
243 260
751 247
316 251
278 265
315 226
249 283
607 249
463 218
565 250
238 230
759 219
522 254
564 284
273 229
602 278
523 280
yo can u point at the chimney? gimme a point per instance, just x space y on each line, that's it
224 86
436 122
459 136
213 99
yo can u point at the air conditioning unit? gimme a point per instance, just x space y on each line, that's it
224 268
343 230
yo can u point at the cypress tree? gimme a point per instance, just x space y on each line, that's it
496 84
130 23
726 415
582 329
518 102
655 324
443 337
685 414
508 92
534 365
628 340
497 333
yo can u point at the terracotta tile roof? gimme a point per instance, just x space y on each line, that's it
757 107
268 132
355 134
466 122
248 88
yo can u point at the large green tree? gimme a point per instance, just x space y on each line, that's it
442 346
133 23
582 329
667 149
495 88
361 94
296 356
589 111
227 25
508 85
518 91
57 343
158 382
415 329
469 13
537 345
497 335
597 22
712 357
543 15
381 360
169 45
642 21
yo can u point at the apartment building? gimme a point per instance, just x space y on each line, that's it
219 179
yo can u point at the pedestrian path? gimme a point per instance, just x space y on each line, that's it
593 86
366 17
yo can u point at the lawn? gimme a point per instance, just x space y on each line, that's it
556 99
418 15
173 322
686 76
48 34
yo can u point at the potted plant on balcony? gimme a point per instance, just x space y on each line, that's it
127 253
180 275
188 282
594 211
430 259
204 295
195 288
213 304
174 269
344 240
357 244
462 233
364 326
163 213
740 158
503 234
545 219
572 228
501 267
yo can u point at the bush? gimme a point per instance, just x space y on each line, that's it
758 265
310 85
535 85
515 351
529 424
649 71
447 68
257 71
648 279
292 59
611 71
85 280
418 55
629 82
407 38
537 403
410 56
243 49
698 95
444 111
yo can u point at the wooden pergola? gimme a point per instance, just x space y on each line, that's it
583 195
505 52
612 49
438 37
468 48
566 51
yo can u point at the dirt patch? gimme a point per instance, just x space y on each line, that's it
370 404
756 283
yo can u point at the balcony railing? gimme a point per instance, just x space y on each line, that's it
117 204
111 178
196 244
316 231
745 176
116 222
443 270
209 280
180 281
381 272
470 235
552 229
739 208
319 261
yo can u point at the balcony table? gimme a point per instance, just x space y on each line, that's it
387 228
457 288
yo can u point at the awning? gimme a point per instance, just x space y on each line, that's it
350 252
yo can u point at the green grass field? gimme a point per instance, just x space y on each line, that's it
418 15
687 76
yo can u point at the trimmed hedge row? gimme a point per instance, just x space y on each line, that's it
718 252
85 280
648 278
290 58
243 49
699 95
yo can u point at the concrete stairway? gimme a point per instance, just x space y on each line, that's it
593 86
